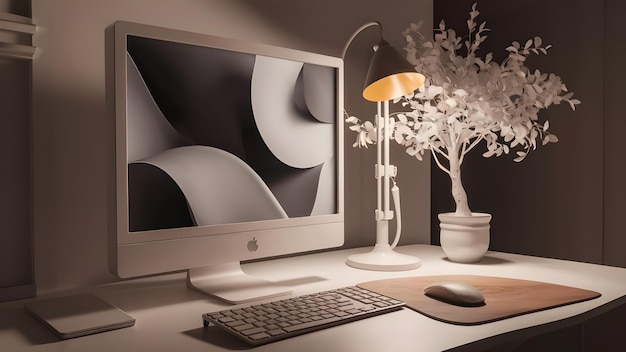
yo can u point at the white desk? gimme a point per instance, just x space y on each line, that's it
169 315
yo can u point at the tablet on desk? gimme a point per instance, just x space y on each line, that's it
79 315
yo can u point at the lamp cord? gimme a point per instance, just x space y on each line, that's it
395 193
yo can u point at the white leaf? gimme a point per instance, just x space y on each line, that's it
520 156
434 90
352 119
573 102
460 93
471 25
399 138
529 42
488 57
517 57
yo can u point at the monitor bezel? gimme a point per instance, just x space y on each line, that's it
159 251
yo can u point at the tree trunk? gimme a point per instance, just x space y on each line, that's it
458 192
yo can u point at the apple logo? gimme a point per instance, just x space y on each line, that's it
252 245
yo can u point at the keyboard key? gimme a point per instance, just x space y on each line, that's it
242 327
275 332
252 331
235 323
259 336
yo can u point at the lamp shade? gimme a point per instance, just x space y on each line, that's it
390 75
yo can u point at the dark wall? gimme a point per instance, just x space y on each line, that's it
16 7
614 128
563 200
16 241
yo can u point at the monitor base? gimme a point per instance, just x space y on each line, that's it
229 283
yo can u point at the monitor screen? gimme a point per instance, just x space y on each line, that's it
225 151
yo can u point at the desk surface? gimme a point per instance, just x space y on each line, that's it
169 314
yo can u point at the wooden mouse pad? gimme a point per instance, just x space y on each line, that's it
504 298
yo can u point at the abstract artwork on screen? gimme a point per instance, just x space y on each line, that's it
219 137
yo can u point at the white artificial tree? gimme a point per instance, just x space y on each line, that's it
467 99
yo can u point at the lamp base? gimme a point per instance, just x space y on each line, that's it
383 258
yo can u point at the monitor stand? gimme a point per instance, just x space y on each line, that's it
229 283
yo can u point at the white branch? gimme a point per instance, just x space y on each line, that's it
445 169
466 149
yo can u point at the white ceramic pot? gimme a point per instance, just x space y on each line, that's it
464 239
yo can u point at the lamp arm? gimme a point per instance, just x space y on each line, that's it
359 30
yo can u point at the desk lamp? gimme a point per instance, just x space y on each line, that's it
389 76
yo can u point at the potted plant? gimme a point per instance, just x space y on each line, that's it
467 101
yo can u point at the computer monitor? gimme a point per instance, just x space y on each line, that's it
226 151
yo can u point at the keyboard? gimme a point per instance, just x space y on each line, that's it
281 319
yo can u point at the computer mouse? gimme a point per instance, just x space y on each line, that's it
457 293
